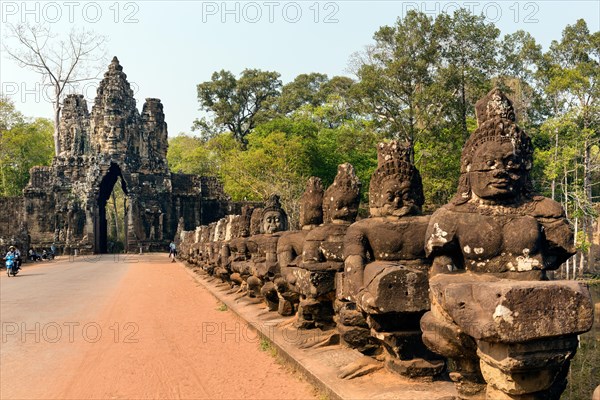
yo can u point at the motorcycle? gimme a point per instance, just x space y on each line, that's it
12 266
47 255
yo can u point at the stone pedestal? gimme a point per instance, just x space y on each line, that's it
524 333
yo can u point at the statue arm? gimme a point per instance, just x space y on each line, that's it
355 251
441 243
559 244
225 256
311 252
354 267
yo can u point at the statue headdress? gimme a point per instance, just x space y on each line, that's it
496 123
311 203
244 221
343 192
394 164
256 221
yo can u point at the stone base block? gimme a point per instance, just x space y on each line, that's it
415 368
314 283
358 338
393 288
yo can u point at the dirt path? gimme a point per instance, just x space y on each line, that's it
161 336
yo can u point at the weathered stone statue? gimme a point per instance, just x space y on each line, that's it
290 245
216 242
235 250
245 249
509 334
264 267
323 251
386 270
206 248
223 257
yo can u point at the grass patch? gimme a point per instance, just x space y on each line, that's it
584 372
266 346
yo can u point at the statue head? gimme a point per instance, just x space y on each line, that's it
497 159
243 222
341 199
311 203
273 218
396 188
203 234
211 232
256 221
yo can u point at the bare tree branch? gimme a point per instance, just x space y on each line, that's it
61 63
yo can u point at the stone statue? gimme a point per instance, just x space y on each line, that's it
509 335
243 249
235 249
323 251
386 270
264 267
290 245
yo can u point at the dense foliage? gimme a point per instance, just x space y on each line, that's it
418 82
23 144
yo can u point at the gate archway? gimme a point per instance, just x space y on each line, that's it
105 190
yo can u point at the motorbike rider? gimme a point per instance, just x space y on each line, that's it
12 254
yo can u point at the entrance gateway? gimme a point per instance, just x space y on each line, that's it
65 203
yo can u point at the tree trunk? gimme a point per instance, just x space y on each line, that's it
553 185
463 105
587 189
57 110
575 244
4 188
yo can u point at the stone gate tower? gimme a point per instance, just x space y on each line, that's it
115 144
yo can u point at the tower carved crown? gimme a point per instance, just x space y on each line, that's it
394 165
496 123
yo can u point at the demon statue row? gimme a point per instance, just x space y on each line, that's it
467 284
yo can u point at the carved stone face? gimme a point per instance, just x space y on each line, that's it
496 172
344 208
396 199
273 222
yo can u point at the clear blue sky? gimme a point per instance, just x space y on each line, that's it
167 48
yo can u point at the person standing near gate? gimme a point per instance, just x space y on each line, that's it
172 251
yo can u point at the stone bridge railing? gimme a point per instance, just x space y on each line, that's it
468 284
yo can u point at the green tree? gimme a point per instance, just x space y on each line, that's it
395 77
305 89
468 48
23 144
274 162
571 72
237 105
310 91
519 60
192 155
9 116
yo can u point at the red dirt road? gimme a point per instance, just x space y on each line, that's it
162 337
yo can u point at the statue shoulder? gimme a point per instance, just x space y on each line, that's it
441 230
445 212
544 207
